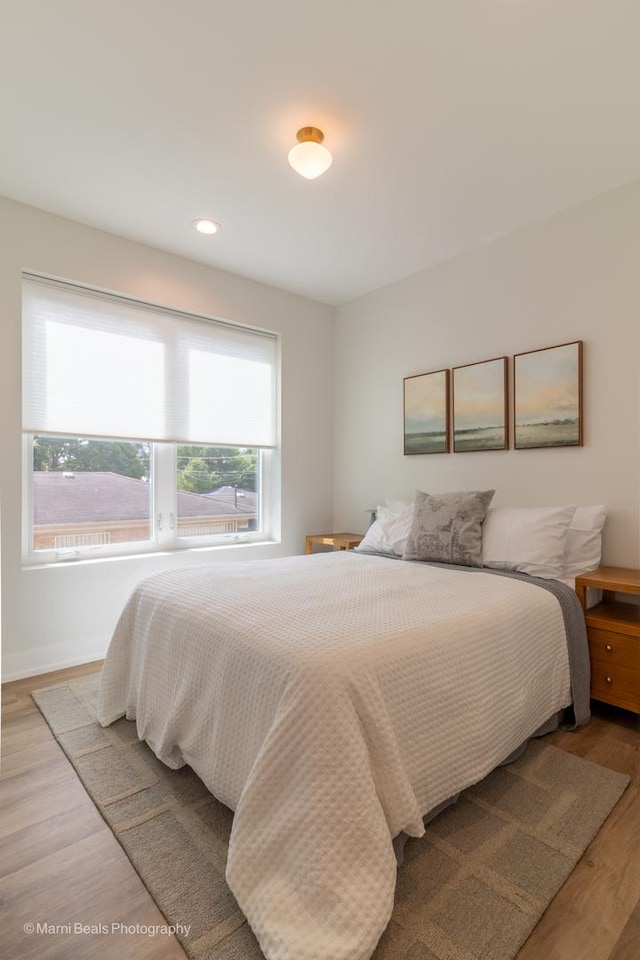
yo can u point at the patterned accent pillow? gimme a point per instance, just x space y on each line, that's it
447 527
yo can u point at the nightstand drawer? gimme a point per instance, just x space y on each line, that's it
614 648
618 685
613 628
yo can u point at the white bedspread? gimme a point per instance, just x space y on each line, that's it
331 701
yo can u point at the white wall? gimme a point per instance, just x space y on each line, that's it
574 276
63 614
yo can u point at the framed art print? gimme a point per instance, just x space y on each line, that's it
548 397
426 413
480 406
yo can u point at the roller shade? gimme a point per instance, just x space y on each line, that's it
100 365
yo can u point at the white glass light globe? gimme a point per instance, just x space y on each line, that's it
310 159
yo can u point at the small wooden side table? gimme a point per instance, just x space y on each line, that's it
613 629
344 541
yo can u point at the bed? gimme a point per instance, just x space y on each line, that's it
332 701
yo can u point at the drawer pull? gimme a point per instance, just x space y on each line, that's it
608 680
608 647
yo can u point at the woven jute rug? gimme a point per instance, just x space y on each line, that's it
472 889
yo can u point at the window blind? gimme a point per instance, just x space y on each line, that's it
103 366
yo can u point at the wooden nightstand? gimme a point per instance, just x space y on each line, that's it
613 628
344 541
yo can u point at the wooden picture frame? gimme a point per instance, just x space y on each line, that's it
426 413
480 394
547 397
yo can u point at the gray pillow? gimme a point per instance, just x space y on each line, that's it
447 527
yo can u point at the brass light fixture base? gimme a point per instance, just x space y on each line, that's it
305 134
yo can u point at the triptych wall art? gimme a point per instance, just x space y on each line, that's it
480 406
471 402
426 413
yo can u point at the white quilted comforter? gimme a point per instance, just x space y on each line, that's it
331 701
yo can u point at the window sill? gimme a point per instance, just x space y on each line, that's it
147 555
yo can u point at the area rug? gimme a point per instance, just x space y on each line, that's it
472 889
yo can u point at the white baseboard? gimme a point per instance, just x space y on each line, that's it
31 663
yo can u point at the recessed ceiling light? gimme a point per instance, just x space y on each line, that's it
204 225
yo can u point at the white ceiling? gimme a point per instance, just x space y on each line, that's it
451 122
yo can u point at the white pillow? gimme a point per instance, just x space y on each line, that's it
389 532
374 537
399 506
397 530
583 548
527 539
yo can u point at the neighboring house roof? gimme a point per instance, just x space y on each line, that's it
243 500
96 497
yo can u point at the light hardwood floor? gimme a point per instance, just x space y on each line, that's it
59 862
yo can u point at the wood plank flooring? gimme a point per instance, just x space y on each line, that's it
60 863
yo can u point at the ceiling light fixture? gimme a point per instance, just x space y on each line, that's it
309 158
204 225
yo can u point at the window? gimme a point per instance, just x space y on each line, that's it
144 428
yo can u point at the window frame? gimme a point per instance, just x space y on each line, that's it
163 516
163 482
